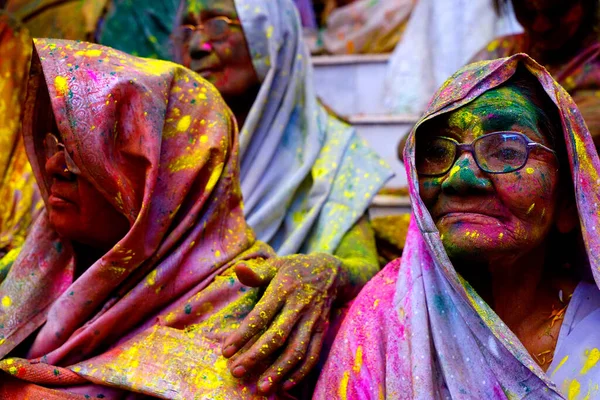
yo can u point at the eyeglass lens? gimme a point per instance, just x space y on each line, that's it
494 153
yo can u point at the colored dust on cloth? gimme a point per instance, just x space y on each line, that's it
367 26
419 331
20 201
307 177
149 316
71 19
580 76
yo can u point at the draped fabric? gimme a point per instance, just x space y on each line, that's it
19 197
306 175
367 26
419 331
580 76
149 316
440 37
62 19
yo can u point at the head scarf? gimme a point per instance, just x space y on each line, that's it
19 197
306 176
419 331
159 143
366 26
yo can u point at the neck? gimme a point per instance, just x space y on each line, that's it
242 104
510 287
85 256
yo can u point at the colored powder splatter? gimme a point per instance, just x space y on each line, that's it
593 356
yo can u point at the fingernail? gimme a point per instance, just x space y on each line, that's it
265 386
239 371
288 385
229 351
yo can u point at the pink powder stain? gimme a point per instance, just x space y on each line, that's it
92 75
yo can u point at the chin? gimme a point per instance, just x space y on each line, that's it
63 225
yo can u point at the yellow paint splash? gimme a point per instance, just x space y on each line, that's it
151 279
593 356
343 389
61 85
530 170
6 302
90 53
574 389
530 209
358 360
184 123
560 364
214 177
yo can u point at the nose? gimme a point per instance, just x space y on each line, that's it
200 46
56 167
465 177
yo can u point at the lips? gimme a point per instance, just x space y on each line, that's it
62 194
204 69
482 209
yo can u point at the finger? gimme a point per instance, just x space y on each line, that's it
312 356
232 363
256 321
256 273
294 352
270 341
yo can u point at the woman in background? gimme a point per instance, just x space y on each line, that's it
307 180
563 37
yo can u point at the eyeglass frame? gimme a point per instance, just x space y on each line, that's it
200 27
69 163
469 147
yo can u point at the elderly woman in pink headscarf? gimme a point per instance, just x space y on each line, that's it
496 295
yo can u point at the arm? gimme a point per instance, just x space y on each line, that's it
358 256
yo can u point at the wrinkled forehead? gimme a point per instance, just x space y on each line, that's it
210 8
498 109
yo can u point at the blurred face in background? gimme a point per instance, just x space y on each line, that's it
212 43
551 24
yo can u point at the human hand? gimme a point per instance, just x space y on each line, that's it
289 322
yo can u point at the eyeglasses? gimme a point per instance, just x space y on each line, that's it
215 29
494 153
52 146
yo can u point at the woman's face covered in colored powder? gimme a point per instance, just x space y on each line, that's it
77 210
483 216
219 53
552 23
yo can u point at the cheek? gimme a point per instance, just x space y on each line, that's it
429 190
529 196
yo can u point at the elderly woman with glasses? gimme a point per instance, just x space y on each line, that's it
496 295
306 177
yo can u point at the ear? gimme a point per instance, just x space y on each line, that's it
567 217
